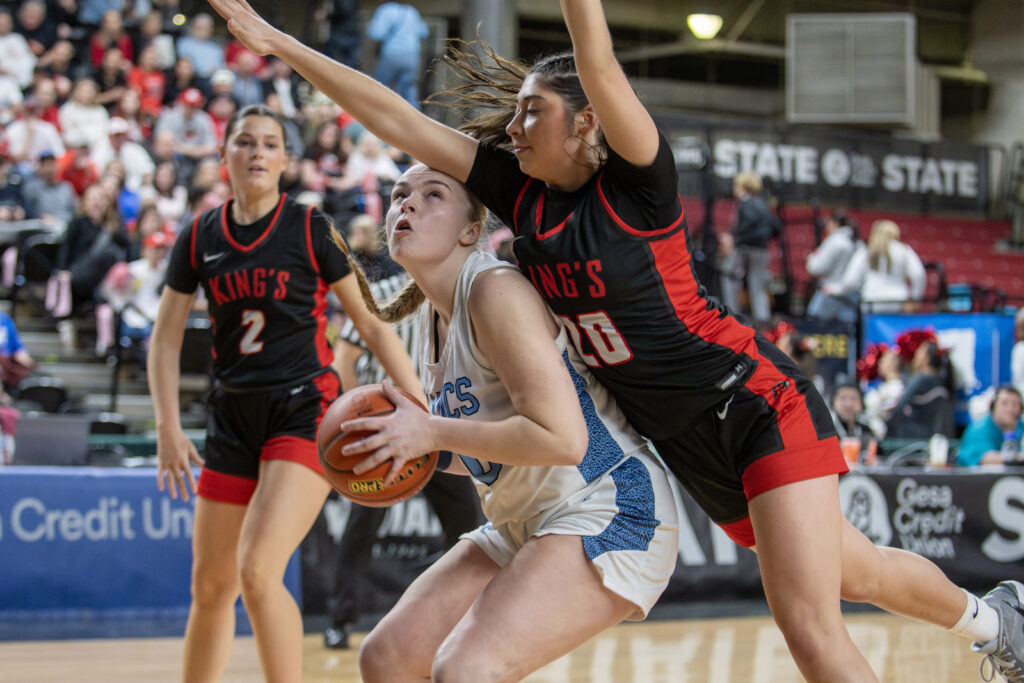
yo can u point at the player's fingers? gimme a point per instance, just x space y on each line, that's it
181 484
172 489
190 475
160 472
367 444
370 463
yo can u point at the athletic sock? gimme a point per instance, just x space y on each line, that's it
979 622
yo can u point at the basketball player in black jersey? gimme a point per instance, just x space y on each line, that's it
266 265
575 166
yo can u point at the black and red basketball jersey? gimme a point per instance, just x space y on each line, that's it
266 285
611 259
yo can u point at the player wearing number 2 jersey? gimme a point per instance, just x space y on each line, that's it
266 265
600 234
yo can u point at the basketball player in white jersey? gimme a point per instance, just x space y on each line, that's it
582 529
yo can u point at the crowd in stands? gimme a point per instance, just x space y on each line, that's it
111 120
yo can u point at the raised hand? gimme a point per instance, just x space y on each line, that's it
248 26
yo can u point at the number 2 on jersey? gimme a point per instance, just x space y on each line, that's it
255 321
605 339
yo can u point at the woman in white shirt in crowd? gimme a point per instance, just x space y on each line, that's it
889 273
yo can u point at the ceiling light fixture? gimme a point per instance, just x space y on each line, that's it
704 26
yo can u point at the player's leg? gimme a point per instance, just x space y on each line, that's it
547 601
211 617
402 645
287 500
800 554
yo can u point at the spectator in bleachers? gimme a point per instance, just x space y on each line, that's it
145 224
126 201
198 45
149 82
745 252
27 137
12 202
292 131
129 108
221 108
110 77
283 82
221 82
161 147
46 197
81 118
76 165
133 290
151 33
11 98
888 274
369 161
828 263
321 162
15 360
58 64
38 29
169 196
248 88
95 241
1017 353
847 408
883 363
111 33
982 441
44 92
138 165
194 134
182 77
344 35
926 405
16 57
399 29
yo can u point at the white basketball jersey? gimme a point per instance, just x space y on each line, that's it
462 384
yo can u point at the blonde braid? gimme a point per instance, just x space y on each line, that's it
405 302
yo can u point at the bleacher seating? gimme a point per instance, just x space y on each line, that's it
968 248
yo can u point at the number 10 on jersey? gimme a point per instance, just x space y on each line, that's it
609 348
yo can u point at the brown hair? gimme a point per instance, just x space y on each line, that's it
256 110
486 86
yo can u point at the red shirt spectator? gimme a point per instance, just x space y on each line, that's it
111 33
77 168
149 82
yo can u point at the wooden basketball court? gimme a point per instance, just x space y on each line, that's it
735 650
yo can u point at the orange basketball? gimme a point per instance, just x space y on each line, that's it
367 488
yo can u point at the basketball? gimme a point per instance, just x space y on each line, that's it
367 488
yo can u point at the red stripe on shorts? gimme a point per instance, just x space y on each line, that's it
225 488
787 467
293 449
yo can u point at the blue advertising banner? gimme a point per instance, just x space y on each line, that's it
95 540
979 346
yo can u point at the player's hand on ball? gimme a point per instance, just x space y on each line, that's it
401 436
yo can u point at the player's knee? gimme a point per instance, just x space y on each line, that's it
379 658
809 633
255 578
213 588
860 589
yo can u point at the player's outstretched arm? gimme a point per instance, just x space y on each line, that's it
381 111
627 125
